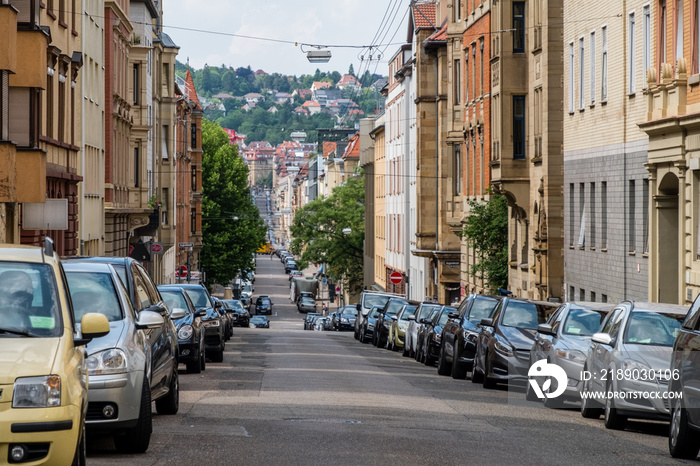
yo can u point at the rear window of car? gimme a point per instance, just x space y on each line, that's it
234 303
582 322
28 300
371 300
94 292
350 310
306 300
426 311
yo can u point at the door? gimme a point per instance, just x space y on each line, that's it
667 239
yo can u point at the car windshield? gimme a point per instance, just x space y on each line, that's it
94 292
306 300
374 313
582 322
524 315
234 303
653 328
174 299
409 311
257 319
482 309
444 316
394 307
263 301
199 297
425 312
248 288
350 310
371 300
28 300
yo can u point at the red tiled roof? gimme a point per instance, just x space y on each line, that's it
439 35
191 91
328 147
311 103
353 148
424 15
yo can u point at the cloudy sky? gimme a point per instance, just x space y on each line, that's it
337 22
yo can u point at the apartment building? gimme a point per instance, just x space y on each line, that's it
378 134
527 138
366 163
606 186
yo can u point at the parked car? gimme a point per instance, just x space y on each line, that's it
119 363
316 322
190 330
226 317
37 319
321 324
460 332
307 294
306 304
258 321
421 330
369 299
684 436
564 340
345 318
295 273
289 266
241 316
636 337
370 320
308 319
399 325
505 340
162 340
411 335
432 335
214 341
263 305
384 321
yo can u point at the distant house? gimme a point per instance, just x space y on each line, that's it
324 97
272 109
253 97
259 72
283 97
248 107
320 85
312 107
349 81
302 93
223 95
235 138
301 111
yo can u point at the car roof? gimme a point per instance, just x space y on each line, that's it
182 285
661 308
74 266
104 259
592 306
18 253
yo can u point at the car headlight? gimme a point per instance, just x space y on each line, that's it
631 364
437 336
403 327
211 323
37 392
111 361
185 332
344 320
503 349
572 355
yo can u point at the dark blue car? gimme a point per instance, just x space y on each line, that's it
190 332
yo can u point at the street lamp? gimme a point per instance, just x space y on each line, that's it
319 55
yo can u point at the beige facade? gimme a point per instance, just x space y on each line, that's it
367 164
379 189
526 133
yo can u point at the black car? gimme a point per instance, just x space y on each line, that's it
289 266
263 305
308 319
505 340
369 322
214 326
345 318
226 317
190 331
423 328
460 332
163 341
432 339
384 321
241 316
259 322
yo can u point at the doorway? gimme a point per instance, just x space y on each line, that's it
667 239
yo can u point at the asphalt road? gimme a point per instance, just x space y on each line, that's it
289 396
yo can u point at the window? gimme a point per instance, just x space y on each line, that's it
137 164
466 78
645 214
193 220
631 219
593 296
194 179
591 202
679 29
631 58
136 85
49 104
61 116
483 161
166 205
481 74
457 11
582 294
603 298
4 105
457 82
581 74
591 64
571 78
662 31
572 217
518 27
518 127
604 215
193 136
647 39
474 69
582 215
164 146
467 166
604 65
572 293
457 177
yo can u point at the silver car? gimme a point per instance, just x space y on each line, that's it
119 394
564 340
630 359
414 323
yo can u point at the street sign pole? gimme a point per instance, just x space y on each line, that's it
188 266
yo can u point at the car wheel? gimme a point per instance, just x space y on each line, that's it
405 351
136 439
458 370
477 375
487 382
588 410
428 359
170 403
203 359
218 355
682 439
80 457
612 419
443 368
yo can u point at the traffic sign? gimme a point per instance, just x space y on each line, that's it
396 278
157 248
182 271
186 245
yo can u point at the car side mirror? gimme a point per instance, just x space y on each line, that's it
149 319
218 305
412 318
545 329
603 339
159 308
92 325
177 313
453 315
200 313
394 318
487 322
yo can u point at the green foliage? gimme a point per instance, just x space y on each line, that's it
265 180
318 233
486 229
228 244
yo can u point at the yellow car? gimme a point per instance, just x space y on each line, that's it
43 373
399 325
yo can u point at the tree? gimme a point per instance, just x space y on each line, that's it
319 238
486 230
351 70
232 227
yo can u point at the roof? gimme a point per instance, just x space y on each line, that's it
440 35
353 148
424 15
348 79
190 90
329 147
310 103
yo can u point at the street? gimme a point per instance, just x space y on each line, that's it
288 396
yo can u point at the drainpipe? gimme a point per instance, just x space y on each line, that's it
624 158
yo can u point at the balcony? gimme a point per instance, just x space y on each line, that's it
31 63
8 26
22 174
